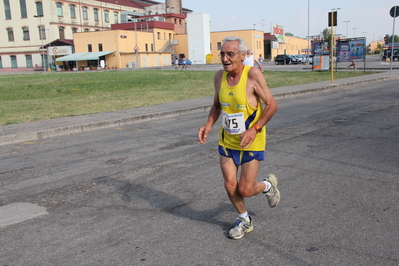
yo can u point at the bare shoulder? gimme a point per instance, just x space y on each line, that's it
255 72
219 74
218 79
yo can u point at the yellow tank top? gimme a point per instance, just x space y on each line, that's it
238 115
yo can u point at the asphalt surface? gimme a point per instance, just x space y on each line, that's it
33 131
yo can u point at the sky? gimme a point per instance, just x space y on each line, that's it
367 18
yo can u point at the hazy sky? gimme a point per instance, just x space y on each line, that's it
370 18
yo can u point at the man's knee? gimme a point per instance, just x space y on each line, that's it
246 190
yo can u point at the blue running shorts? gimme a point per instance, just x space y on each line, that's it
240 156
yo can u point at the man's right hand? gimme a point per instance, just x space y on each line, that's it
202 134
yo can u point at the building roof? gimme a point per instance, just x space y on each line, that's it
83 56
132 3
269 37
59 42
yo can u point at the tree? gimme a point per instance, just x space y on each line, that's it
395 38
289 34
327 35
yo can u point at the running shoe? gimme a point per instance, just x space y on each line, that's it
273 194
242 227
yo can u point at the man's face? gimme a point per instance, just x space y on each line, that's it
230 57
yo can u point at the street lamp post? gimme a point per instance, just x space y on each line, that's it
308 57
332 43
41 37
346 21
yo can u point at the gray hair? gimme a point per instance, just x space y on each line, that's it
242 45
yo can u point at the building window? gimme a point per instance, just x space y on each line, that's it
74 30
146 47
106 16
59 9
116 17
25 31
96 14
1 63
10 33
72 9
89 48
29 63
61 31
100 47
219 46
152 47
7 9
158 35
86 30
22 4
39 9
14 64
84 11
42 33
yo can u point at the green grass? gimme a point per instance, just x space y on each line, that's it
39 96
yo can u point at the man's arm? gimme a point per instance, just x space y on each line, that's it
214 113
259 88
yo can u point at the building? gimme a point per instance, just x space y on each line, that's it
376 47
253 38
36 28
290 46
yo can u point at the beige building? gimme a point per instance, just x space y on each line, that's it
253 38
290 46
376 47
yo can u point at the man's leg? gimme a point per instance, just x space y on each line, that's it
237 189
247 186
229 171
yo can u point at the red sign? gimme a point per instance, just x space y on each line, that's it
136 48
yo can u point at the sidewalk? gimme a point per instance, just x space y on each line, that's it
35 131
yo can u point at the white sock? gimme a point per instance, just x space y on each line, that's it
268 186
244 216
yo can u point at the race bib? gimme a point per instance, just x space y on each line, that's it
233 123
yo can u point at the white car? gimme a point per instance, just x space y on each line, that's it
309 58
301 58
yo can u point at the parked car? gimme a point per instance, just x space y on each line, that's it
284 59
301 58
387 54
309 58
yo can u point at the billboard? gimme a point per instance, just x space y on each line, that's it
60 50
321 55
357 49
351 50
278 31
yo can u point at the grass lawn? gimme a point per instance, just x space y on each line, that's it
38 96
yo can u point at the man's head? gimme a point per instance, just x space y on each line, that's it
242 45
232 53
250 52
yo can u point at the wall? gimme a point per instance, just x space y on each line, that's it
198 30
292 46
123 42
253 38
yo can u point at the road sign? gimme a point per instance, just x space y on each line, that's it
136 48
394 12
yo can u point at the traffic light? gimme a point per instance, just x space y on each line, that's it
330 19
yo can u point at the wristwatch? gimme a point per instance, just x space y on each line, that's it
257 128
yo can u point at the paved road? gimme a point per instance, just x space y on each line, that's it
147 194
